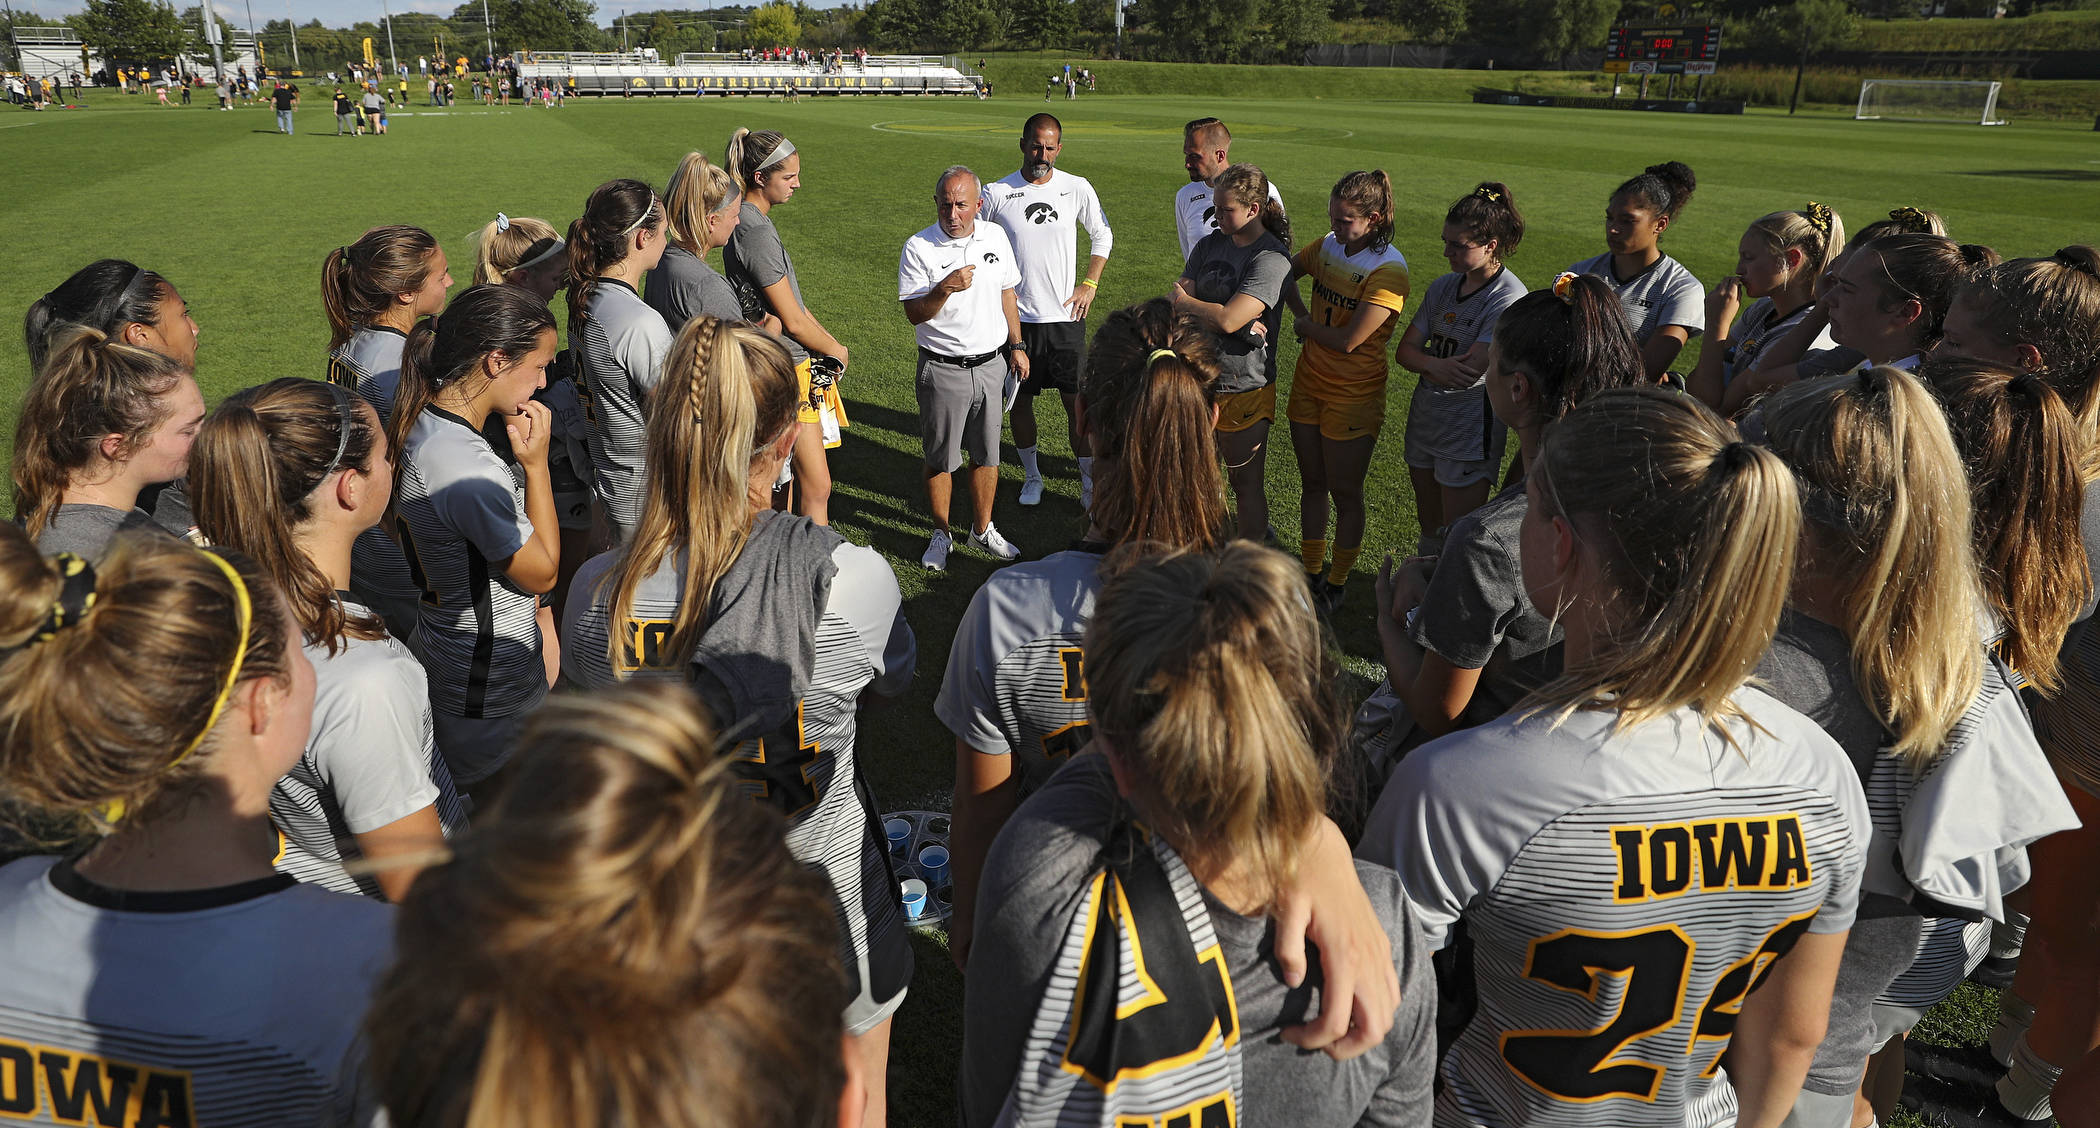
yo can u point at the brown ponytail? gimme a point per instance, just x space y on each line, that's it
2052 304
447 349
2022 448
598 238
1368 192
360 281
1571 347
626 941
90 386
1489 214
1150 419
1209 676
116 706
257 461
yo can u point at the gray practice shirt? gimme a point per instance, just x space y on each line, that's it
753 259
1035 880
1476 615
683 287
86 530
1663 294
1222 270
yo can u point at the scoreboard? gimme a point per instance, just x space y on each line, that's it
1673 49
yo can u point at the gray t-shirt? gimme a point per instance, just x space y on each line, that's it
1760 326
1663 294
1809 669
237 1005
1016 678
1036 879
619 353
753 259
683 287
369 363
1222 270
1456 423
1477 616
86 530
370 760
1615 878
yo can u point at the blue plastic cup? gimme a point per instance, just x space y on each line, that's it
914 893
899 832
933 864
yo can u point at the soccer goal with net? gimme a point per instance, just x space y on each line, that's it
1917 100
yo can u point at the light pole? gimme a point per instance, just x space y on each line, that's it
292 26
488 27
393 61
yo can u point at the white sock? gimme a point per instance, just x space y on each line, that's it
2015 1015
1086 473
2025 1088
1028 461
2008 937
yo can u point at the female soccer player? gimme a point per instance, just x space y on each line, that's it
290 473
767 171
1649 849
1337 402
2036 314
1214 712
1462 640
1807 349
1014 693
618 342
1660 297
100 422
1454 441
1780 262
780 623
374 291
1233 282
130 305
154 700
1883 647
479 520
522 251
627 833
704 205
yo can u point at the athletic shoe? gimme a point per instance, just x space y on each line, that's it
1031 491
1327 596
990 542
1959 1106
1995 972
935 557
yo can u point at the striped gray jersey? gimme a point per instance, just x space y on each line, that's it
1624 893
808 769
369 363
370 760
619 355
1016 680
462 513
1143 935
1664 294
1457 422
227 1007
1948 950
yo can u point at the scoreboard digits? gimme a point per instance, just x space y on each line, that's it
1677 49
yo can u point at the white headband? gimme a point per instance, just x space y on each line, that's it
786 150
640 219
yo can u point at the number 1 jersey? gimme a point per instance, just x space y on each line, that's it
1624 892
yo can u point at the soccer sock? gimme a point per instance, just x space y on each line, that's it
2025 1088
2008 937
1028 461
2015 1015
1314 553
1086 474
1344 560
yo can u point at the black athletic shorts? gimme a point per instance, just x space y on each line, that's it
1056 356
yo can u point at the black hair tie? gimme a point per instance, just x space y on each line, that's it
76 594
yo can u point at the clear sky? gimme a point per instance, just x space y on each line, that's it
337 13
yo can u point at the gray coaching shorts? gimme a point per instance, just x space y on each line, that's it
959 411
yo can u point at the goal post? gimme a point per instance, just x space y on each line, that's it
1919 100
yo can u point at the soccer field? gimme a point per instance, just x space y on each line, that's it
239 217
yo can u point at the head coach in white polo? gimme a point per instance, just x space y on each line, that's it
957 280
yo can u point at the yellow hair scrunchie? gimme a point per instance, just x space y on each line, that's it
1564 287
1156 354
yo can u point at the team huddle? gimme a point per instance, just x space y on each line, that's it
468 737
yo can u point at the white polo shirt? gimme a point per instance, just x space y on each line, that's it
973 321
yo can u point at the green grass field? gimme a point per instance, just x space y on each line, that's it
240 217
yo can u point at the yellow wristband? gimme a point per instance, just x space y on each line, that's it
1090 282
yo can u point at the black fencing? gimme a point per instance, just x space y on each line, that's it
1919 64
1576 102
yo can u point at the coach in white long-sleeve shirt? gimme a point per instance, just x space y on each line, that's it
957 280
1042 209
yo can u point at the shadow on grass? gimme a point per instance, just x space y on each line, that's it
2076 175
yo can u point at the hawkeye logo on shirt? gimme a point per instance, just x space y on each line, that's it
991 256
1760 852
1039 213
68 1087
1333 297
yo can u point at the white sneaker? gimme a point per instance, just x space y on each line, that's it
935 557
1031 491
990 542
